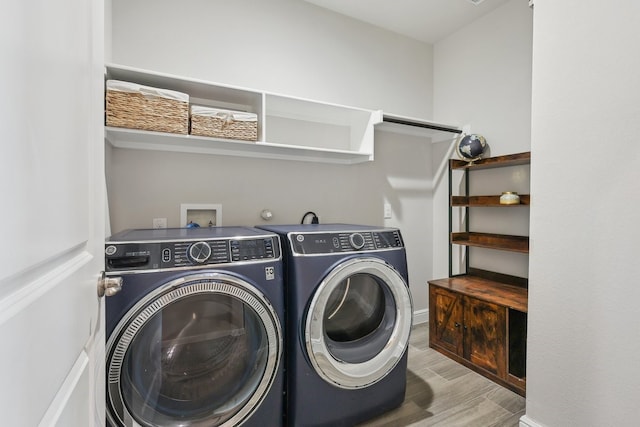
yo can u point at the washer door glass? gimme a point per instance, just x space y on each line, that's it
358 323
201 351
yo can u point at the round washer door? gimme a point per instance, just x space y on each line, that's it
358 323
201 350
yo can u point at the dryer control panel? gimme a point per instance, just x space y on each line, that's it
128 256
339 242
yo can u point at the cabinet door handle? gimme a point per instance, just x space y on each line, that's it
457 325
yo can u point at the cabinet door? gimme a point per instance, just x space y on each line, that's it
485 335
445 327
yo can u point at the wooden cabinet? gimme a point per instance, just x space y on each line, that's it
479 317
482 326
445 329
470 328
484 335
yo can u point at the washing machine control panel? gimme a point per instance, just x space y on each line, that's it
327 243
177 254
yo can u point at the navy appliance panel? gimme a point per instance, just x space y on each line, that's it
327 243
138 256
132 256
388 239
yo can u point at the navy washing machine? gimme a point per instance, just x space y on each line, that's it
195 334
349 316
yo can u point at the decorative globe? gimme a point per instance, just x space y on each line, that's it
471 147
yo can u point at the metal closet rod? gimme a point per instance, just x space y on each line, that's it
419 124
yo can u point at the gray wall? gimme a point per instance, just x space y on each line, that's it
482 80
584 334
283 46
293 48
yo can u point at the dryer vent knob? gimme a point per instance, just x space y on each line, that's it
356 240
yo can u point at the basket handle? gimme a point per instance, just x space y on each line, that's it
148 93
227 119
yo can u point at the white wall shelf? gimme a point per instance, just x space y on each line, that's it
288 128
158 141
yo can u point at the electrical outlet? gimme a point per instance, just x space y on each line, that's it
159 222
387 211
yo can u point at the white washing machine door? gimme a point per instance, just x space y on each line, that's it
358 323
202 350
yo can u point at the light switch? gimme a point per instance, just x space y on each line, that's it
387 211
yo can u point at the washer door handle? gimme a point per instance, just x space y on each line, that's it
108 286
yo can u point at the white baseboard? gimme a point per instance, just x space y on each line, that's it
420 316
528 422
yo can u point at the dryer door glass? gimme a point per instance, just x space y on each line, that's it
203 353
358 318
358 323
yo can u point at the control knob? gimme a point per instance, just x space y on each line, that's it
356 240
199 252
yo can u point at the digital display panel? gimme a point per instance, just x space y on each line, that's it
387 239
252 249
316 243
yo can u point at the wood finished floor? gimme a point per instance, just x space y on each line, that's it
443 393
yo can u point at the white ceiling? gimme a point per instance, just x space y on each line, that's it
425 20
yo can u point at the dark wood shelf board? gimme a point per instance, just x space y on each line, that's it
501 242
513 297
493 162
487 201
493 276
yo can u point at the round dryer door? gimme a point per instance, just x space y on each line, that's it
358 323
202 350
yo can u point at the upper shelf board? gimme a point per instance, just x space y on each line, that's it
493 162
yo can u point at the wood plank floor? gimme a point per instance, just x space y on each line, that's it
443 393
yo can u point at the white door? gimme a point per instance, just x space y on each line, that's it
52 213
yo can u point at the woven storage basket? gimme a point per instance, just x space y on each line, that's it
134 106
218 123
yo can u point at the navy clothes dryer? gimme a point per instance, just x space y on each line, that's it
195 335
349 316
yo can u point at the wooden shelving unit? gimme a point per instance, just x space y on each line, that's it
478 239
479 318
